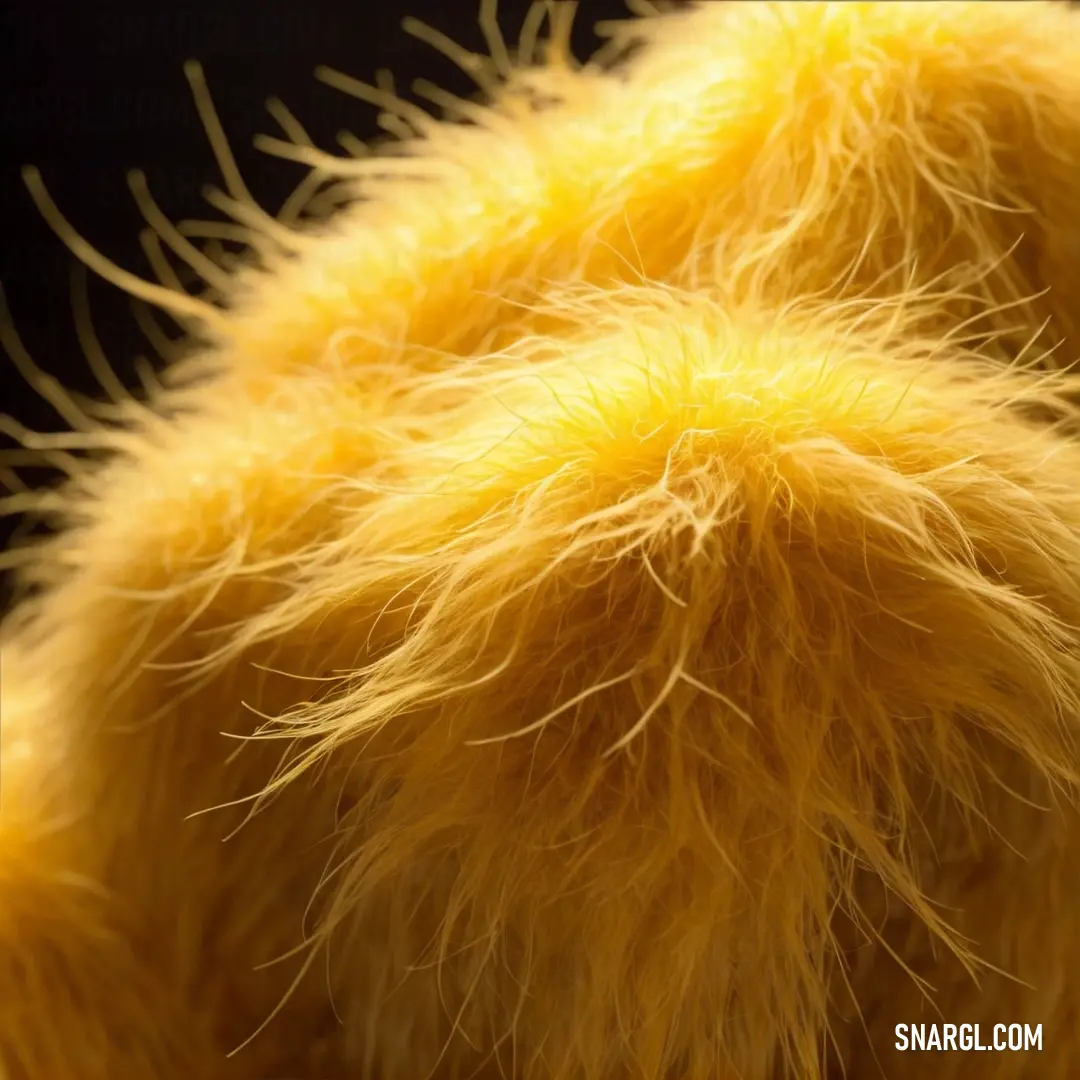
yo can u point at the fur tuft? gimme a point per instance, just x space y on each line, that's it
604 602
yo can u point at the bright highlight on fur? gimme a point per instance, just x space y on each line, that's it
599 594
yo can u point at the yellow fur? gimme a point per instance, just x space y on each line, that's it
605 605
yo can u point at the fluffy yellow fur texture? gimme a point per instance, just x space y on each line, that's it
604 604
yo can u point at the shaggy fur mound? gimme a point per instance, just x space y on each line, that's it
605 604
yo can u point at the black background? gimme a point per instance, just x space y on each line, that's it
91 91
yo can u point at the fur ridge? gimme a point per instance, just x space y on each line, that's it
604 601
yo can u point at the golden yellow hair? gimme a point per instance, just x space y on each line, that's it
603 604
